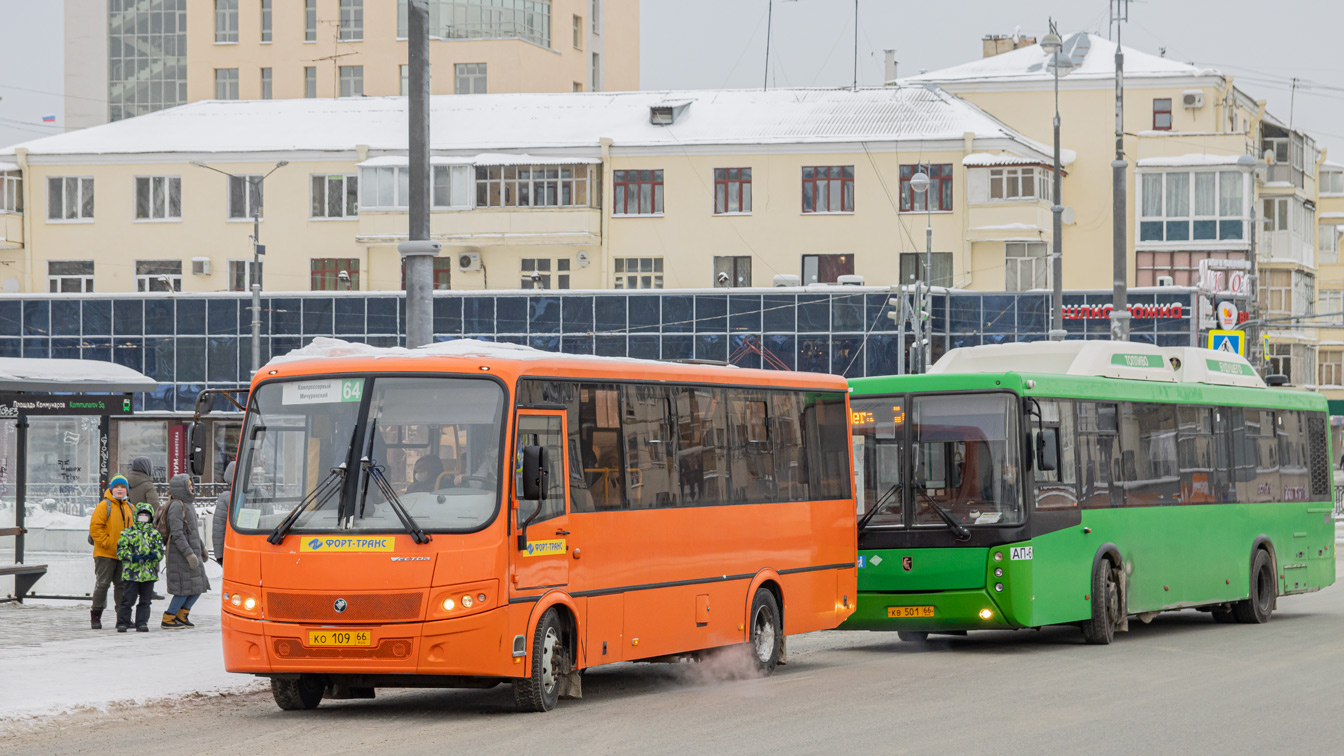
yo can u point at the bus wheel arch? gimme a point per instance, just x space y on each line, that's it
1263 587
769 580
554 614
1108 614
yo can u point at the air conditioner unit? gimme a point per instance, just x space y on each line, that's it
784 280
849 280
1166 281
1193 98
469 262
200 266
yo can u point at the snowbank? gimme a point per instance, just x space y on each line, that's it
36 517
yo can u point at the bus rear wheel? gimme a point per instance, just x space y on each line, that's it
1099 630
767 631
297 695
1256 609
540 690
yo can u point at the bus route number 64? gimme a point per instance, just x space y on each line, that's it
1020 553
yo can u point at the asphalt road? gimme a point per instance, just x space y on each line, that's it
1179 685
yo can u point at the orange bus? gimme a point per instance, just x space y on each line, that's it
468 514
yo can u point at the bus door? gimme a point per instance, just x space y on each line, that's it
541 558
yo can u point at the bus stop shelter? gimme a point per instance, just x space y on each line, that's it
55 417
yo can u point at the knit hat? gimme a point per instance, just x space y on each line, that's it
119 480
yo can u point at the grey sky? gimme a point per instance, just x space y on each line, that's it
703 44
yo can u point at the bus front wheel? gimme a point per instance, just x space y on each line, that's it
1256 609
549 661
1099 630
296 695
767 631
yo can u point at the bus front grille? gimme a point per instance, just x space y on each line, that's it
356 607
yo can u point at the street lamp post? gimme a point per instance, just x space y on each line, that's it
923 341
258 249
1052 44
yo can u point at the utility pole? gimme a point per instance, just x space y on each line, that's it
769 19
418 252
1120 260
856 45
1054 45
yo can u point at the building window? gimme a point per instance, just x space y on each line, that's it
451 186
309 20
310 82
597 73
244 196
826 268
385 188
1182 267
334 274
732 271
265 21
535 185
578 32
1331 368
536 273
912 268
334 196
226 83
266 90
1281 360
1276 295
240 274
637 193
406 79
940 188
443 272
596 14
70 198
146 55
1184 206
484 19
1332 181
226 20
1025 183
1162 114
158 198
732 190
828 189
1330 302
1276 214
1026 266
639 272
469 78
1327 244
11 192
352 81
352 20
158 275
70 276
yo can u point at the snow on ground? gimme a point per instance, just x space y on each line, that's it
36 517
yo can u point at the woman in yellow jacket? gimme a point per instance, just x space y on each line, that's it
112 515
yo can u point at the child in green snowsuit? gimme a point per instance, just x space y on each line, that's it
140 549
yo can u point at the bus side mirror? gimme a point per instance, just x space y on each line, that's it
196 443
534 473
1047 449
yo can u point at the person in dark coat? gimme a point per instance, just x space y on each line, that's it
141 479
186 554
221 517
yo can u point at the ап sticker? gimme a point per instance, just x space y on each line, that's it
1020 553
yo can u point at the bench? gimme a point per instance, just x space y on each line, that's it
25 575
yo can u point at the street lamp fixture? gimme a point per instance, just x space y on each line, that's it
919 183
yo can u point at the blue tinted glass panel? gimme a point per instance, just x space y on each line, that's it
348 315
11 347
1206 229
744 350
65 349
711 347
847 356
1150 231
286 316
744 312
1178 230
223 358
847 312
958 340
447 316
97 349
779 352
159 317
515 339
577 344
814 312
545 343
160 400
97 317
478 315
611 346
939 308
779 313
965 312
678 347
883 354
317 317
186 394
191 315
129 352
65 317
1033 313
282 345
678 314
1173 339
711 313
543 314
1143 338
11 318
511 315
191 358
877 311
160 361
382 315
36 318
998 338
1000 313
37 347
609 312
222 316
644 314
646 347
814 354
1229 229
577 314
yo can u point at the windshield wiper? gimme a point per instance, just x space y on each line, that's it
320 495
878 507
375 473
960 530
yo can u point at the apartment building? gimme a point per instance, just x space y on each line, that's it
126 58
587 190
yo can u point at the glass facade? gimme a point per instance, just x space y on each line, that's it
193 342
147 56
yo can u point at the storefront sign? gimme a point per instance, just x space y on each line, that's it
1230 277
1137 312
11 405
177 449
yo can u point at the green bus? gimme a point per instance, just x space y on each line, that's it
1085 483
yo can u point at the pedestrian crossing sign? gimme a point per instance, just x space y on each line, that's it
1228 341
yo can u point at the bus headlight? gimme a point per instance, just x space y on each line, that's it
448 605
466 602
249 603
236 600
986 614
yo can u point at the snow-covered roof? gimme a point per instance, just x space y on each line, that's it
484 158
8 166
1093 58
1190 159
981 159
538 122
56 375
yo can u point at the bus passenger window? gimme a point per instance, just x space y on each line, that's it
702 445
791 475
1097 450
1058 488
751 459
600 448
651 472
